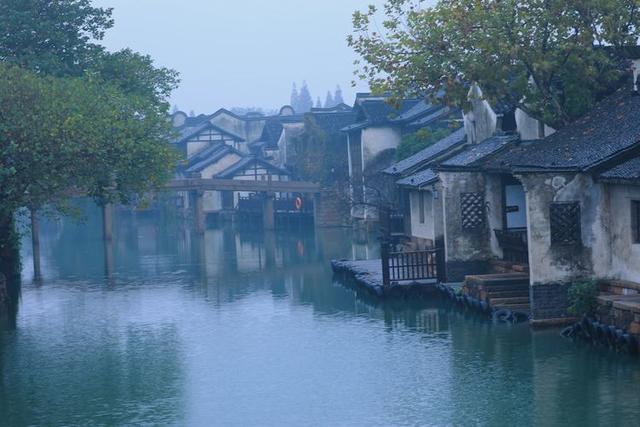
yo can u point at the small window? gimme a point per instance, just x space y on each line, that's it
566 229
421 206
635 221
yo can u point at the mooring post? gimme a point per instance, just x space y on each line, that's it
384 255
35 244
268 215
107 221
199 212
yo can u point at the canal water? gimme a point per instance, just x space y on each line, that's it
246 328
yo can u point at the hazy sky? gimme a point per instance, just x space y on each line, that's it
241 53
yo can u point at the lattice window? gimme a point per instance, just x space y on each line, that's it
472 210
565 223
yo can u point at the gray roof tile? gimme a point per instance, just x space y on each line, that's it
419 179
422 157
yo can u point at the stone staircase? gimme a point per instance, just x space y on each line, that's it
501 290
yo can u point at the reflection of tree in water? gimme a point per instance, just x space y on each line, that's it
106 379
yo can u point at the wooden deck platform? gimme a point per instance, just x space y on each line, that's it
368 274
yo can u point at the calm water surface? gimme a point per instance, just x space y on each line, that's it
247 328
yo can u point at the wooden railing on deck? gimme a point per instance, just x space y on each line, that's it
411 266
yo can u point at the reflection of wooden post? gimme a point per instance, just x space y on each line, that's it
107 221
199 212
35 243
317 199
108 258
268 218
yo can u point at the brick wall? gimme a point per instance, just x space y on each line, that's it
549 301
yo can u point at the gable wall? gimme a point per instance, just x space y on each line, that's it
222 164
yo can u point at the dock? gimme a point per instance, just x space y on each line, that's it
368 274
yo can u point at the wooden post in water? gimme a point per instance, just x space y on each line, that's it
35 244
384 255
107 221
268 214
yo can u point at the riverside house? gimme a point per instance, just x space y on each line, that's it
372 140
556 210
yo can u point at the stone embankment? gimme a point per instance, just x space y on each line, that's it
616 322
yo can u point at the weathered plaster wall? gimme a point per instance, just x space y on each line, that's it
375 140
193 147
438 213
219 166
467 251
493 198
480 121
249 130
625 255
425 229
212 201
552 264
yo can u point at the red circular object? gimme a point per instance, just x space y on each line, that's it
298 203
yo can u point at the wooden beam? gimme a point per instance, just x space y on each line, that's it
216 184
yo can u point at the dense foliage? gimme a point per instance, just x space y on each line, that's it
317 156
419 140
53 37
583 298
547 57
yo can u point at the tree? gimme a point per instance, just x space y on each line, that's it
318 103
328 101
317 156
337 98
83 120
552 58
295 98
52 37
305 102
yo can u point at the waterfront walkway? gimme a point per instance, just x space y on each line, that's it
368 274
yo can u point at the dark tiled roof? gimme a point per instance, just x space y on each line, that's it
332 123
457 138
209 156
611 127
342 107
246 161
378 112
188 132
433 116
381 112
418 110
419 179
474 154
627 171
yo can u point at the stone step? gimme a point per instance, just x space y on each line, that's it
508 301
523 308
507 293
498 279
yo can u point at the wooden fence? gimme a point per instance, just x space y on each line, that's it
427 264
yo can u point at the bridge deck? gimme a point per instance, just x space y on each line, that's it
215 184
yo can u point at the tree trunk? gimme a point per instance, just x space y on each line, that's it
35 244
9 247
